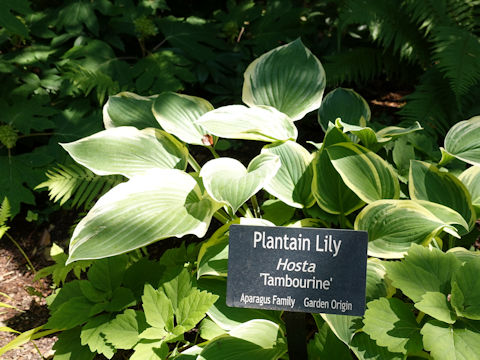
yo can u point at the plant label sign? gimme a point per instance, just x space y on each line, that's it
297 269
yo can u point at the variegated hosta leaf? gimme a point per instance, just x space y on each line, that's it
129 109
154 206
471 179
426 182
463 142
228 181
128 151
345 104
293 182
177 114
393 225
364 172
261 123
289 78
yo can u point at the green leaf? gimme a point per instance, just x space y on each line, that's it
92 335
262 123
71 313
128 151
158 309
277 211
377 284
69 347
365 348
391 323
343 326
426 182
178 113
458 341
158 205
463 142
214 260
228 181
471 179
292 182
289 78
121 299
437 306
150 350
364 172
393 225
432 270
466 290
209 330
129 109
345 104
10 21
107 274
326 343
123 331
328 187
192 308
178 287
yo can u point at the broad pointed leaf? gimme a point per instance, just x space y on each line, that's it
262 123
154 206
365 348
128 151
228 181
177 114
289 78
158 309
364 172
437 306
345 104
471 179
293 181
129 109
192 308
91 335
463 142
394 225
123 331
426 182
466 290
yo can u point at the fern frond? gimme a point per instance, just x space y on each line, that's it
4 211
432 104
465 14
77 183
457 55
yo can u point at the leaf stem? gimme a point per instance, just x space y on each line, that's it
256 208
193 163
220 217
248 213
420 316
214 153
22 252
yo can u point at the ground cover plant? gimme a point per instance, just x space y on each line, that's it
419 205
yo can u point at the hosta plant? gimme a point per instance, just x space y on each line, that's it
362 176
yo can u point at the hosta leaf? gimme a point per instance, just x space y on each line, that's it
463 142
289 78
391 323
177 114
426 182
471 179
364 172
394 225
377 284
262 123
128 151
458 341
293 181
328 187
129 109
123 331
154 206
423 270
228 181
345 104
326 343
437 306
466 290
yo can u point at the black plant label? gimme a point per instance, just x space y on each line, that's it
297 269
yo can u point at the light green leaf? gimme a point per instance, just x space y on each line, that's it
260 123
68 346
277 211
343 326
227 180
209 330
365 348
154 206
129 109
150 350
177 114
423 270
293 181
393 225
426 182
289 78
364 172
128 151
463 142
466 289
437 306
192 308
471 179
446 342
214 260
91 335
391 323
25 337
71 313
178 287
377 284
158 309
345 104
328 187
123 331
